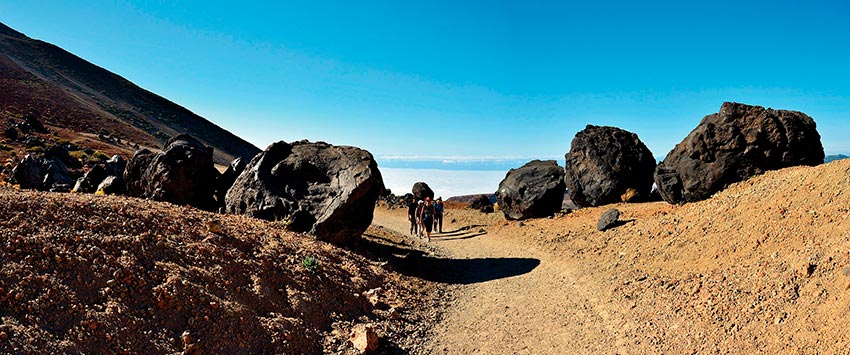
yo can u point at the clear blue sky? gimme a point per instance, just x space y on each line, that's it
465 78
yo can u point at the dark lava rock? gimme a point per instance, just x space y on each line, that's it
329 191
115 166
133 173
607 165
34 124
534 190
421 191
92 178
609 219
735 144
60 152
56 177
481 203
183 174
27 173
226 179
112 185
11 133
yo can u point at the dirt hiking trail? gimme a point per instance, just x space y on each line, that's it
510 297
762 267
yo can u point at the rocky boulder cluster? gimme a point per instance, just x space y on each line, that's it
329 191
608 165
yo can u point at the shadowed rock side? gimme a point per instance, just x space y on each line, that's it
604 163
535 189
735 144
327 190
183 174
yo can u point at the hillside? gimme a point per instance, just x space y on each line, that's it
92 107
95 274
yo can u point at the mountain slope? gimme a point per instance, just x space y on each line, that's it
80 99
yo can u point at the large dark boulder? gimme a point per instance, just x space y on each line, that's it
115 166
183 174
56 177
134 184
481 203
735 144
534 190
92 178
604 164
60 152
329 191
226 179
11 133
421 190
28 173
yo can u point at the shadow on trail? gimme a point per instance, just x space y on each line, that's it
409 261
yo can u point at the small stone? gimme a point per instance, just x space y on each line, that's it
364 338
608 219
520 224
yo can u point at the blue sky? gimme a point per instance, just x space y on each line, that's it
465 80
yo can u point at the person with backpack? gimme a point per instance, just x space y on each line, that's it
438 215
412 206
420 228
427 216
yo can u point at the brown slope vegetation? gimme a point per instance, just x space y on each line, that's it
112 275
762 267
65 91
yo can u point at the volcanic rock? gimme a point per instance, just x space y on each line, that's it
133 173
112 185
115 166
34 124
421 191
482 203
56 177
534 190
733 145
609 219
11 133
183 174
27 173
92 178
607 165
329 191
60 152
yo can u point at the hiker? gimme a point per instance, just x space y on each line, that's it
411 215
419 227
427 218
438 215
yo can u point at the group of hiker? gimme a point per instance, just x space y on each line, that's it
425 216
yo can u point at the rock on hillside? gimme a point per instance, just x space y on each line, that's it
183 174
730 146
329 191
605 163
535 189
89 274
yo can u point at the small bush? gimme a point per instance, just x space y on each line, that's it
35 150
100 156
311 264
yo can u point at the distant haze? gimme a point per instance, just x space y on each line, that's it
445 183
